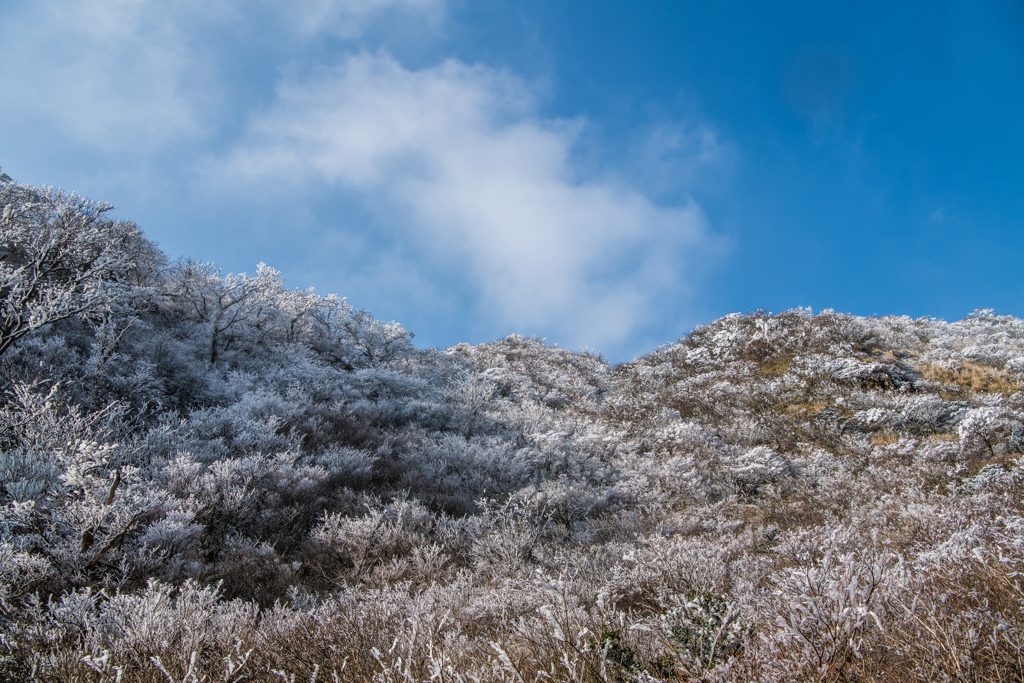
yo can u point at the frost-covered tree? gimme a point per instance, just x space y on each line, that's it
229 308
60 257
353 338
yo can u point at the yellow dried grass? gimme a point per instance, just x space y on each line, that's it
972 378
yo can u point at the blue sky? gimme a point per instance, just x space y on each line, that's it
602 174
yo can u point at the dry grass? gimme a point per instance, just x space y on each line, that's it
775 367
885 438
963 624
971 378
941 436
901 354
804 408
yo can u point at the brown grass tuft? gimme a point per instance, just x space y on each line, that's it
972 378
775 367
804 408
884 438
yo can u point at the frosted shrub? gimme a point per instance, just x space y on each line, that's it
27 475
348 466
651 575
829 608
241 492
451 472
505 539
20 571
36 417
986 427
561 506
60 255
250 427
702 633
960 620
176 535
402 540
161 628
760 465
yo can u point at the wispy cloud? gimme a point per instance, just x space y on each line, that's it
673 156
488 187
350 18
110 73
138 74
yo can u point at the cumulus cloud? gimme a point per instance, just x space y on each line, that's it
488 187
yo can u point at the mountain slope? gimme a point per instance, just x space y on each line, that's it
209 475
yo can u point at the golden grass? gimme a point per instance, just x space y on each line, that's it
942 436
972 378
804 408
775 367
900 354
884 438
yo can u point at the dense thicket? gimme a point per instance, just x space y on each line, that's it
213 477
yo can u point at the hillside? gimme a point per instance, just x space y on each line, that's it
210 477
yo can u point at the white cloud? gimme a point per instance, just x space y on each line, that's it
350 18
488 187
111 73
133 75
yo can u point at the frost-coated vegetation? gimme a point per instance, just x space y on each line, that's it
210 477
